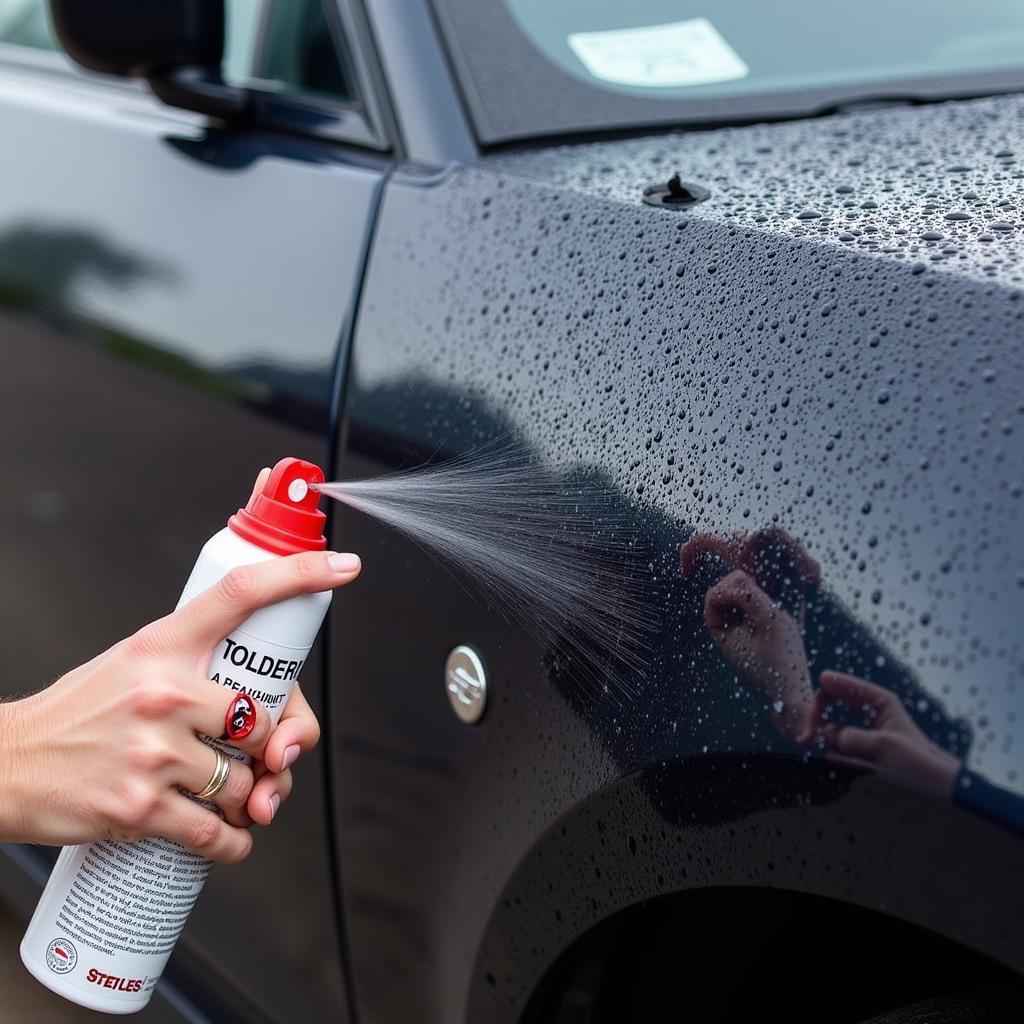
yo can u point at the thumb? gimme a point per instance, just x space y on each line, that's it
257 487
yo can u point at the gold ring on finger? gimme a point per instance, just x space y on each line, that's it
219 777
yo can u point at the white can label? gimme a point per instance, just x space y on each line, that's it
125 908
263 670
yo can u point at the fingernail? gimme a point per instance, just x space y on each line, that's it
290 756
240 718
343 563
275 802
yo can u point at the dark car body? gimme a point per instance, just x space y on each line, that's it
830 345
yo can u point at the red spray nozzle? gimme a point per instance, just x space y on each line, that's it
283 517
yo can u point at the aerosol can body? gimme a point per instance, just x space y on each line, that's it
111 913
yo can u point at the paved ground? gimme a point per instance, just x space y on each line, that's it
22 999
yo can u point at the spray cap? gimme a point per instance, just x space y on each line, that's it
284 517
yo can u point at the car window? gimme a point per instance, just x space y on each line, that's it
301 51
287 46
532 67
672 49
26 23
291 46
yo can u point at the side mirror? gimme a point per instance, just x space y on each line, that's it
176 45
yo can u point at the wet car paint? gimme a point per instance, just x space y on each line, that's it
830 345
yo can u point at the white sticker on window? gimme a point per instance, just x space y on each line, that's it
656 56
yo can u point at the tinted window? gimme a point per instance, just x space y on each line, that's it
301 51
26 23
288 46
291 46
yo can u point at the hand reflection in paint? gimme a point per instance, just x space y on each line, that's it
889 742
756 616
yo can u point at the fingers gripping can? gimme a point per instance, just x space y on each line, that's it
111 913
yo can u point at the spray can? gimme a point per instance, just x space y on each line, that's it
111 913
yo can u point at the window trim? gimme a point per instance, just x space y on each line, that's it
366 123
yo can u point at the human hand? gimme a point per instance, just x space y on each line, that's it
763 643
102 753
890 744
777 562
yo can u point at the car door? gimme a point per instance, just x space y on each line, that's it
174 308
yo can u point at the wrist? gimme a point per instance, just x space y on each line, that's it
14 798
942 774
7 783
791 708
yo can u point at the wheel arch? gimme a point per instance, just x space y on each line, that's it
728 824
